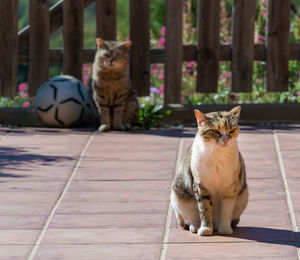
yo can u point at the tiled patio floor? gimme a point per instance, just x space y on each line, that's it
80 194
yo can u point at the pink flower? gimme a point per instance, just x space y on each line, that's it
128 38
227 74
161 89
161 42
26 104
23 86
260 38
191 64
161 76
163 31
154 71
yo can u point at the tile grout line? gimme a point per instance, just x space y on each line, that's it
59 200
287 192
164 245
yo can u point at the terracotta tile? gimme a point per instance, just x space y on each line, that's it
18 237
291 163
291 154
273 184
294 183
23 209
119 186
266 194
241 234
31 186
145 207
108 221
109 170
22 222
104 236
133 195
271 250
30 197
96 252
292 172
262 172
12 252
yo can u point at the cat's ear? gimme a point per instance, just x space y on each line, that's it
199 116
100 43
236 110
126 44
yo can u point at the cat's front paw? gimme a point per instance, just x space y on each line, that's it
205 231
225 230
194 228
104 128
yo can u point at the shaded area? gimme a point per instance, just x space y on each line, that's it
12 159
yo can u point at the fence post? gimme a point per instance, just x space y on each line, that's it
73 37
106 11
208 45
8 47
140 49
174 52
243 45
38 44
278 45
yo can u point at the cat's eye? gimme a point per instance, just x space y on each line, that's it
216 132
232 132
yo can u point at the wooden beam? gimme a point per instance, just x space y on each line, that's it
208 45
73 38
243 45
278 45
8 47
140 49
106 11
38 44
174 51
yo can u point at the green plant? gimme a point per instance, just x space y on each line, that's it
149 116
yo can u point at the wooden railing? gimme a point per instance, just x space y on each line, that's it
33 48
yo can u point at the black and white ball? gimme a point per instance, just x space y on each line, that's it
63 101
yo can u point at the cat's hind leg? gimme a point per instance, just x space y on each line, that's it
186 212
240 205
105 119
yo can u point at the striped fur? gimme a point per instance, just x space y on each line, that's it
115 99
209 191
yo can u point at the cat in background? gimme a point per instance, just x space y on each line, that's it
209 191
115 99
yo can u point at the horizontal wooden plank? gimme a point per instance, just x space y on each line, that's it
250 113
158 55
181 114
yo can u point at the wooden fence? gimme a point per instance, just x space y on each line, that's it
33 48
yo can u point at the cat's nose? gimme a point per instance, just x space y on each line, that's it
225 139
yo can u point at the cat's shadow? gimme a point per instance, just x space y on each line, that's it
267 235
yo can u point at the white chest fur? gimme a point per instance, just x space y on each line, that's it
214 166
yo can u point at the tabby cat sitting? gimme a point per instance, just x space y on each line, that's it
115 99
209 191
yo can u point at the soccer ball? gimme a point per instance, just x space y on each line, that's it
62 101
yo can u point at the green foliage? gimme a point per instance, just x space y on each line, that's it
149 116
